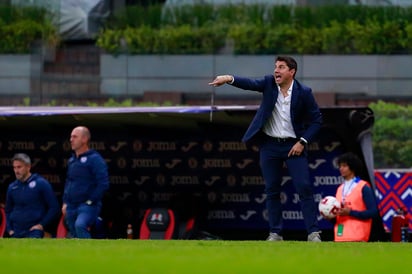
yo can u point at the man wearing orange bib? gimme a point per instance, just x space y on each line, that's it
354 219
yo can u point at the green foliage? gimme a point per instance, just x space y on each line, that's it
127 103
197 15
176 40
281 39
248 39
408 38
375 37
139 40
391 135
22 27
154 104
18 37
157 16
112 41
391 110
26 101
111 102
309 41
259 29
11 14
390 38
364 36
135 17
335 39
179 40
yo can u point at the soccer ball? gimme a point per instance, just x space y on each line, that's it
329 206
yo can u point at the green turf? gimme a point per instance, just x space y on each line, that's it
156 256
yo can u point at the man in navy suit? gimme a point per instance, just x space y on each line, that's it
287 120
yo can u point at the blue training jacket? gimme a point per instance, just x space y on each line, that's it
87 178
30 203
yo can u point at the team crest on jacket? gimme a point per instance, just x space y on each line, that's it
32 184
83 159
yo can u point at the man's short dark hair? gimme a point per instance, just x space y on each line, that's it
290 62
352 160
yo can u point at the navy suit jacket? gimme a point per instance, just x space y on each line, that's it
304 111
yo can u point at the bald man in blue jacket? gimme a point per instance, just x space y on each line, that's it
86 182
287 120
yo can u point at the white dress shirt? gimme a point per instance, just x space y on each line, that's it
280 123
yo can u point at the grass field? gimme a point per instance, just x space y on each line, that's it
157 256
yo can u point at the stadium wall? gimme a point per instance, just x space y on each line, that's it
188 158
83 73
339 74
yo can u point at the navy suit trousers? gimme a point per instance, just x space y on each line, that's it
273 156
